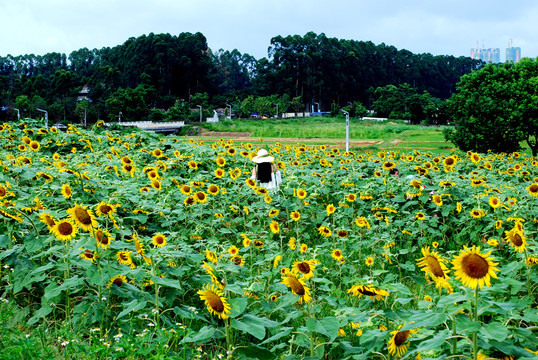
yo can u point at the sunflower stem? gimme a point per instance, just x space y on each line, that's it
475 334
227 331
529 289
454 333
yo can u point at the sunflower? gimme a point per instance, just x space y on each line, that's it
200 197
34 145
251 183
369 261
324 231
156 184
415 184
189 200
66 191
219 173
437 199
305 267
330 209
336 254
388 165
233 250
88 255
361 221
82 216
516 239
158 240
477 213
105 209
473 268
291 243
420 216
295 215
368 290
64 230
275 229
215 301
301 194
22 148
273 212
450 161
351 197
342 233
246 241
258 244
103 238
220 161
475 158
48 220
124 258
297 286
303 248
397 344
117 280
532 189
494 202
157 153
432 264
3 191
238 260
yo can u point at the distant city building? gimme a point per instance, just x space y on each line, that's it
487 55
513 54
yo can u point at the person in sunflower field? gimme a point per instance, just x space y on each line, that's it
265 172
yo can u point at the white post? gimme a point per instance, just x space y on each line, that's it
276 116
317 104
85 118
46 117
347 129
200 112
18 114
119 118
230 106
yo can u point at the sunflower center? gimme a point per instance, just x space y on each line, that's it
366 291
83 216
533 188
159 240
475 266
337 253
2 192
65 228
105 209
215 302
118 281
49 220
434 266
101 237
517 240
303 267
296 286
237 261
123 256
401 337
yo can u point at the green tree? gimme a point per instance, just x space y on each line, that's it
496 108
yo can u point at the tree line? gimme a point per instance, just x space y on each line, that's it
165 77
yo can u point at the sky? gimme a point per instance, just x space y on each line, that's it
439 27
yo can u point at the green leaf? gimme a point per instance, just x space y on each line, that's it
282 332
249 325
166 282
237 306
254 352
134 305
327 326
201 336
496 331
424 319
435 343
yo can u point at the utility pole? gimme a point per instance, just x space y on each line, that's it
347 129
200 106
18 114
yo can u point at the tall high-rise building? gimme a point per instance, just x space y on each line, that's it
513 53
492 55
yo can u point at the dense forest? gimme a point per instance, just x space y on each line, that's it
162 76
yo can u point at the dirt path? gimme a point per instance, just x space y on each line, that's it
210 136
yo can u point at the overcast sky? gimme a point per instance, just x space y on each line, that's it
439 27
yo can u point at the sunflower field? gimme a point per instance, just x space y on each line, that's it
138 245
